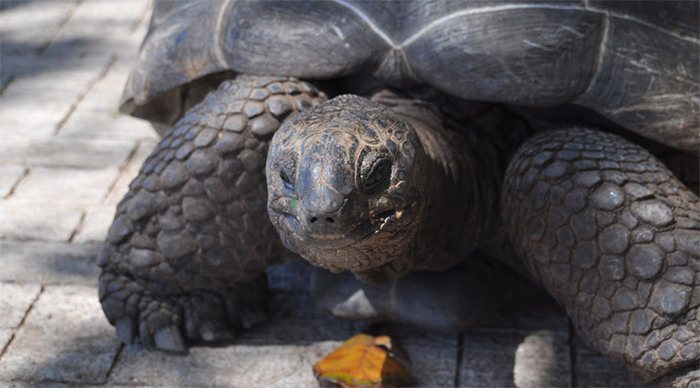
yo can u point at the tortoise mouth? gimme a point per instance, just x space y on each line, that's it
336 240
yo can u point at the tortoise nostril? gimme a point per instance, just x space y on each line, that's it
330 220
313 219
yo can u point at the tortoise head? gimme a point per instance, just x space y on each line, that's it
344 181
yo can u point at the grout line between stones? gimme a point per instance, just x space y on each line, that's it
78 227
9 81
458 367
122 169
114 362
41 50
81 97
10 239
21 323
16 184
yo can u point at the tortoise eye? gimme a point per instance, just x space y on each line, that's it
286 180
287 174
376 178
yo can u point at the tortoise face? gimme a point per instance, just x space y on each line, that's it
343 187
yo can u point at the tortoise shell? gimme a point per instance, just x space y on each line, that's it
634 62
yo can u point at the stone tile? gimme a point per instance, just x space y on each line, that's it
234 366
65 338
66 187
106 123
46 17
592 369
525 346
9 175
34 105
50 202
5 336
32 220
48 262
99 26
515 358
95 225
15 299
278 353
14 65
433 355
97 116
73 153
281 352
130 172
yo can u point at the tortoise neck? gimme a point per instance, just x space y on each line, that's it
462 186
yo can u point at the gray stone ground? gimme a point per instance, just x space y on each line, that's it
66 158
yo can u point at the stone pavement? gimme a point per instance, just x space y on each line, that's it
66 158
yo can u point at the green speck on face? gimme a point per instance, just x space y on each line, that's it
294 203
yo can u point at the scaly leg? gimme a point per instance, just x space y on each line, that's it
186 254
615 237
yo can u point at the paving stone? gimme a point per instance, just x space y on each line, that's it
592 369
232 366
15 65
97 116
55 152
95 225
433 355
542 359
278 353
5 336
66 187
49 262
130 171
526 345
65 338
32 220
15 299
32 106
98 26
9 176
281 352
505 358
46 18
106 123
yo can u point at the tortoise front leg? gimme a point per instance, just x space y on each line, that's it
186 254
615 238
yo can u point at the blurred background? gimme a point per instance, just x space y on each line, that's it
67 157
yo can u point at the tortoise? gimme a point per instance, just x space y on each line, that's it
461 141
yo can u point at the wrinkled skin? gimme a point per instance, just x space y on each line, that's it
340 193
355 186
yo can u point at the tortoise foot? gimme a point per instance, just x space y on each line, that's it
169 322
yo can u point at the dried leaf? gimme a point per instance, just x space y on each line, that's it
363 361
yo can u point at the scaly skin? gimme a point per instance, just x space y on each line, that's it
615 237
186 254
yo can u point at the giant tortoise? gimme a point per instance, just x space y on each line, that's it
463 140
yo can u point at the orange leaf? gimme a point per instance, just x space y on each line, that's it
363 361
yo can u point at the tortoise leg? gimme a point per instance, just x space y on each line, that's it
451 301
186 254
613 236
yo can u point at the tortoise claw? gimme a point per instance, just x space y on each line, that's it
125 330
169 339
